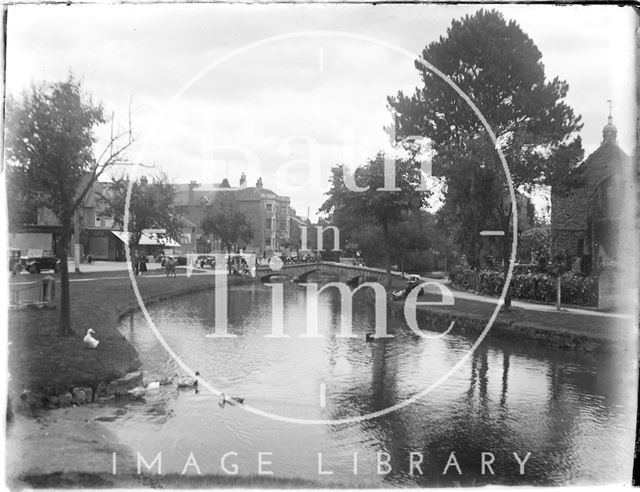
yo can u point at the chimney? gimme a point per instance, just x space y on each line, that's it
243 180
192 195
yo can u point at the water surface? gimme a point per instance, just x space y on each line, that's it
573 412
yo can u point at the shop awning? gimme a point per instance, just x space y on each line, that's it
152 239
124 237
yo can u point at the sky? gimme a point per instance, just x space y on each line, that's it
285 92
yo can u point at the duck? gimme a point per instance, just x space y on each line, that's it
89 341
160 382
186 382
234 400
138 391
369 337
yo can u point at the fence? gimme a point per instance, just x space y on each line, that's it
41 293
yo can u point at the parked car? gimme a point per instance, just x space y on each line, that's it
38 260
14 258
205 260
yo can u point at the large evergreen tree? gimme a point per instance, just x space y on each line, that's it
500 68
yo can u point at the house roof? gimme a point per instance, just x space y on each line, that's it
209 191
605 161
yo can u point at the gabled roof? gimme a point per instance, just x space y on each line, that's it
605 161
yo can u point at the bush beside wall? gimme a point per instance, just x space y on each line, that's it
575 289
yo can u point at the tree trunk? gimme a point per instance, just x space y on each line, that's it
64 322
506 251
559 292
387 254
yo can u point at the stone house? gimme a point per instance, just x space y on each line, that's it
585 214
92 229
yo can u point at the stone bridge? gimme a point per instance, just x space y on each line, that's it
300 272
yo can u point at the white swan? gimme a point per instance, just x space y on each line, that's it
89 341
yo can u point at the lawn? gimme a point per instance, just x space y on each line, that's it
43 362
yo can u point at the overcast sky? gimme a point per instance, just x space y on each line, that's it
268 90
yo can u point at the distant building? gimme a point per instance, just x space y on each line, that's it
585 213
92 229
269 214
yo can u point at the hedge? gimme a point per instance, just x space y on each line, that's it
576 289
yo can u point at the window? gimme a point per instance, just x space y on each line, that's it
268 241
269 207
283 225
268 223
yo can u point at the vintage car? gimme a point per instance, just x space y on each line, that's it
38 260
14 258
413 281
206 261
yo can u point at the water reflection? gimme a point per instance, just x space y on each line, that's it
564 408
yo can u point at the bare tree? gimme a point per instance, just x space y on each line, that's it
50 143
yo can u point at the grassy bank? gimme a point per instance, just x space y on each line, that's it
45 363
559 329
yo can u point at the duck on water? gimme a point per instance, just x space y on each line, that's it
183 382
234 400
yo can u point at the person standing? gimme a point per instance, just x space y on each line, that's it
143 265
135 262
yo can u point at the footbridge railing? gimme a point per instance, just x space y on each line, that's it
300 272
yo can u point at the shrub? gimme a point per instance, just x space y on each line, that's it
576 289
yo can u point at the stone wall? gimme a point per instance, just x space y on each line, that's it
569 212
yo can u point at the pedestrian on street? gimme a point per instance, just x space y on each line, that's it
143 265
135 262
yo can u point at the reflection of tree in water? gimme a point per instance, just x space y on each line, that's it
474 423
482 412
506 355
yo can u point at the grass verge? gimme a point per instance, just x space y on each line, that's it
43 362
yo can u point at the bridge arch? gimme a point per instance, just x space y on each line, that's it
305 276
267 278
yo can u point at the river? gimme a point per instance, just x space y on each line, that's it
568 410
